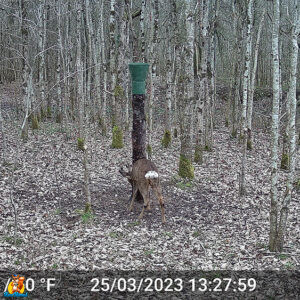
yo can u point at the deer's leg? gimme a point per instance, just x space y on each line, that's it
134 192
148 206
160 199
145 193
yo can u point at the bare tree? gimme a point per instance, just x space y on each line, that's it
275 128
246 79
186 169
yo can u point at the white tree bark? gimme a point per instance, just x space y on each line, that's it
204 10
112 59
292 102
41 46
142 26
252 83
275 128
59 106
185 165
90 59
245 96
104 65
79 70
153 48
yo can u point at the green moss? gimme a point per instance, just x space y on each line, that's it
186 169
208 148
184 185
198 155
149 150
118 91
241 138
80 144
166 141
42 114
175 133
88 208
34 123
249 144
117 138
284 161
49 112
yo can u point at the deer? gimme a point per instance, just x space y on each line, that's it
142 175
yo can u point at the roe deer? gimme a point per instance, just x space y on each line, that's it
142 175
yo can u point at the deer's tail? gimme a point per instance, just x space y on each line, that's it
151 175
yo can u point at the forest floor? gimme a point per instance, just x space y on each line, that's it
208 226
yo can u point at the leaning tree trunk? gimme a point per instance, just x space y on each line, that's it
275 128
252 83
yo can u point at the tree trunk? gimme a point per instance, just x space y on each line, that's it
252 83
242 187
112 60
292 102
275 128
153 75
199 146
186 169
79 71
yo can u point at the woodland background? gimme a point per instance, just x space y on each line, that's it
222 127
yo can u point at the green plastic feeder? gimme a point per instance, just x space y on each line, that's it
138 73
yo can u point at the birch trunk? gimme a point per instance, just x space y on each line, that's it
41 45
186 169
242 187
166 141
103 119
292 102
275 128
252 83
25 69
153 48
236 82
79 71
59 106
112 60
199 146
176 64
4 146
90 59
142 26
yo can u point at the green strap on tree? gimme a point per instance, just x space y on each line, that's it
138 73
